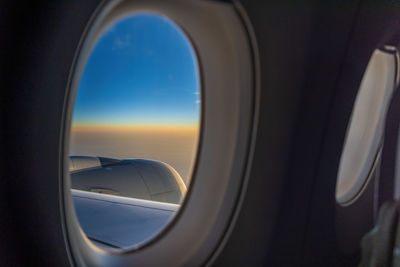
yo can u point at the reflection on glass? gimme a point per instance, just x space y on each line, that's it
134 131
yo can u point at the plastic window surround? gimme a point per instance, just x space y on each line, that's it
365 132
226 66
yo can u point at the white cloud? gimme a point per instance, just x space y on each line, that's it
122 42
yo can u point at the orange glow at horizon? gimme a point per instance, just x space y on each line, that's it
133 127
172 144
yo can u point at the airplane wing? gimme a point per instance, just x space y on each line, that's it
120 222
133 178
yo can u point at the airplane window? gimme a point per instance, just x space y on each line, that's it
365 131
135 130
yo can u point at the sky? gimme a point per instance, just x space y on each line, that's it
142 71
139 95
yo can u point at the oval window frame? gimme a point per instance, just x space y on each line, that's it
226 133
367 163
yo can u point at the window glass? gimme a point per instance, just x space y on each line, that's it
135 129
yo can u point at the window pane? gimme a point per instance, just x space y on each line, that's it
135 130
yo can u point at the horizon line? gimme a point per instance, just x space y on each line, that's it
142 126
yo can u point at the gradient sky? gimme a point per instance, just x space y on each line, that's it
142 71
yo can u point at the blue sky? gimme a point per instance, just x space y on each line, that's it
142 71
